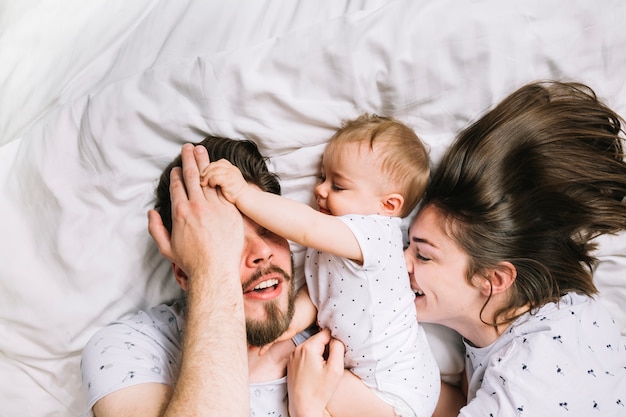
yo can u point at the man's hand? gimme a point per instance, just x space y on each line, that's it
312 379
205 225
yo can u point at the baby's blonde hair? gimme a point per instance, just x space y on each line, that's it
405 160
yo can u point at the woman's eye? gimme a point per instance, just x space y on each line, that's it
422 258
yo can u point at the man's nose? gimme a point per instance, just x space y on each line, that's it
258 252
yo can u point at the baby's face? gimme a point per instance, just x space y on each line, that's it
351 181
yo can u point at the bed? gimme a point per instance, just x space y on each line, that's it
97 97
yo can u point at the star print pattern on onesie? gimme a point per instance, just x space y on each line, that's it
147 348
370 308
565 360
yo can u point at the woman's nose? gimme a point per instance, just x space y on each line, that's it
408 259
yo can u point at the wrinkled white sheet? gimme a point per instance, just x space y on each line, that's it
97 97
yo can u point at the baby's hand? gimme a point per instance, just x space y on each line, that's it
225 175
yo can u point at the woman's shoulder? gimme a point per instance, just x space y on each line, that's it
575 326
573 345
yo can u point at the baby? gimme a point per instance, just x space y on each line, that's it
374 172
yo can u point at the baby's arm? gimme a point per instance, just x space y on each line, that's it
290 219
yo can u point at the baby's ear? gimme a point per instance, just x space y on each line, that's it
392 205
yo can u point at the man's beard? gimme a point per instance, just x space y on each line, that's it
262 332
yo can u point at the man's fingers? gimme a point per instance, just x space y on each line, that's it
336 350
160 234
203 161
321 338
191 173
178 191
317 343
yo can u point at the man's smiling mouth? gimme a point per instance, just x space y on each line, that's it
266 284
267 289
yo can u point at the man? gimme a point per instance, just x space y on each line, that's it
238 284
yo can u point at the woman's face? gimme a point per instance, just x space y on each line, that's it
437 269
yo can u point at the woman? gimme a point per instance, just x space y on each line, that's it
501 248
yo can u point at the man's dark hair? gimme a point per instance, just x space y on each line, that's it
244 154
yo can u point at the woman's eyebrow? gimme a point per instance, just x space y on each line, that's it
422 240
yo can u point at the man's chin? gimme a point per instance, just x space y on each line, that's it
267 330
261 333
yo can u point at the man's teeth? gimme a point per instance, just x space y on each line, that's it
266 284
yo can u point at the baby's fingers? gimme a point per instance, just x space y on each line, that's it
213 173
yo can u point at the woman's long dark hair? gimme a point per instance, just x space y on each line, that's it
533 182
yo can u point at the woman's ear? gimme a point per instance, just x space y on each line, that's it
392 205
181 277
500 279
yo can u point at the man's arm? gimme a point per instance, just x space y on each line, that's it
206 243
136 400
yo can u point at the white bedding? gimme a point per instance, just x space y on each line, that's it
97 97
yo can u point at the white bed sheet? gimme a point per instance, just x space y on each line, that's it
97 97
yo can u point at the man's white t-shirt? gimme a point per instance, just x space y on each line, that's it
147 348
